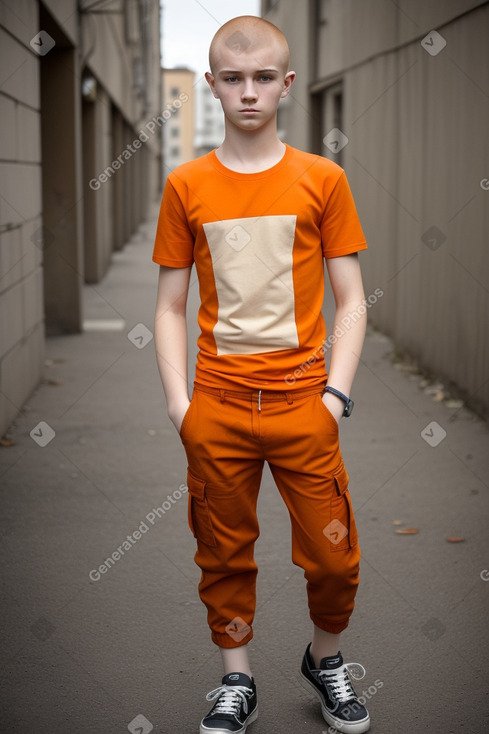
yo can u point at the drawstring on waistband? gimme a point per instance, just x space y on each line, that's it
259 400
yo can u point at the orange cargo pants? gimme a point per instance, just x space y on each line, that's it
227 436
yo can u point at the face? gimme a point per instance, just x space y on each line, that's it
249 86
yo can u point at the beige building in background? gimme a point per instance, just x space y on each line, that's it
80 162
398 94
179 113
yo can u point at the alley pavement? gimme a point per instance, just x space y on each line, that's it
103 630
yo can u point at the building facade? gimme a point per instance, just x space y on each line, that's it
398 94
179 111
210 120
80 95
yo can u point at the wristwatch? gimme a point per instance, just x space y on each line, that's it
348 401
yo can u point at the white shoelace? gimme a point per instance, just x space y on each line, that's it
338 682
230 699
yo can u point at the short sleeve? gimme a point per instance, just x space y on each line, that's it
174 242
341 230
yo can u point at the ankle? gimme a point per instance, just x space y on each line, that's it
320 654
235 660
324 645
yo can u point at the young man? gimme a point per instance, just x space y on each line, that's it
257 217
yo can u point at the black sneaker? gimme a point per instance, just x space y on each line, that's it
332 685
235 708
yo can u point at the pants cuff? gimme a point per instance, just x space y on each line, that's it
224 639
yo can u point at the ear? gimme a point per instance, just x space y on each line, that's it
288 81
212 83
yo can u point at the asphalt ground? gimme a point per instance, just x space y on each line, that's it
95 465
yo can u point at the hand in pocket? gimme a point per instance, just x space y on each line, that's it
179 414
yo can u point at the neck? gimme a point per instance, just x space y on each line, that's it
250 151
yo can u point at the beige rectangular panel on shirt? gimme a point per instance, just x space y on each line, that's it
252 261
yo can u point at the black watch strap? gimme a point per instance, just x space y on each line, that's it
348 401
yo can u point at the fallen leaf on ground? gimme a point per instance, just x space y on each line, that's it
454 403
454 539
407 531
6 443
397 522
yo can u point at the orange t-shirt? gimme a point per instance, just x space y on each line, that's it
258 241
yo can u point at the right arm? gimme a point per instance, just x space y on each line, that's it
171 339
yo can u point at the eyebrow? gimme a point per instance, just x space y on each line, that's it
258 71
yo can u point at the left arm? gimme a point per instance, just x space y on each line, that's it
346 282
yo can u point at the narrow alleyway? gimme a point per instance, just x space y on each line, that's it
103 628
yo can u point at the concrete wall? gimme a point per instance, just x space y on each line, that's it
417 154
21 285
121 63
97 154
56 231
62 203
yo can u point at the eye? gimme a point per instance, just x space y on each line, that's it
265 78
231 79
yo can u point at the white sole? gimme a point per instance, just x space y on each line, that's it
355 727
252 717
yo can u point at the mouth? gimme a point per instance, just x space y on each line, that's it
249 109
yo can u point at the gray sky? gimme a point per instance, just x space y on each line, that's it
188 27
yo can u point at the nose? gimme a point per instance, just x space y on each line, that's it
249 91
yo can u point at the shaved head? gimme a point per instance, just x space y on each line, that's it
249 34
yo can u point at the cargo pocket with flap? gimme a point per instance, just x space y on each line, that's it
199 518
342 529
